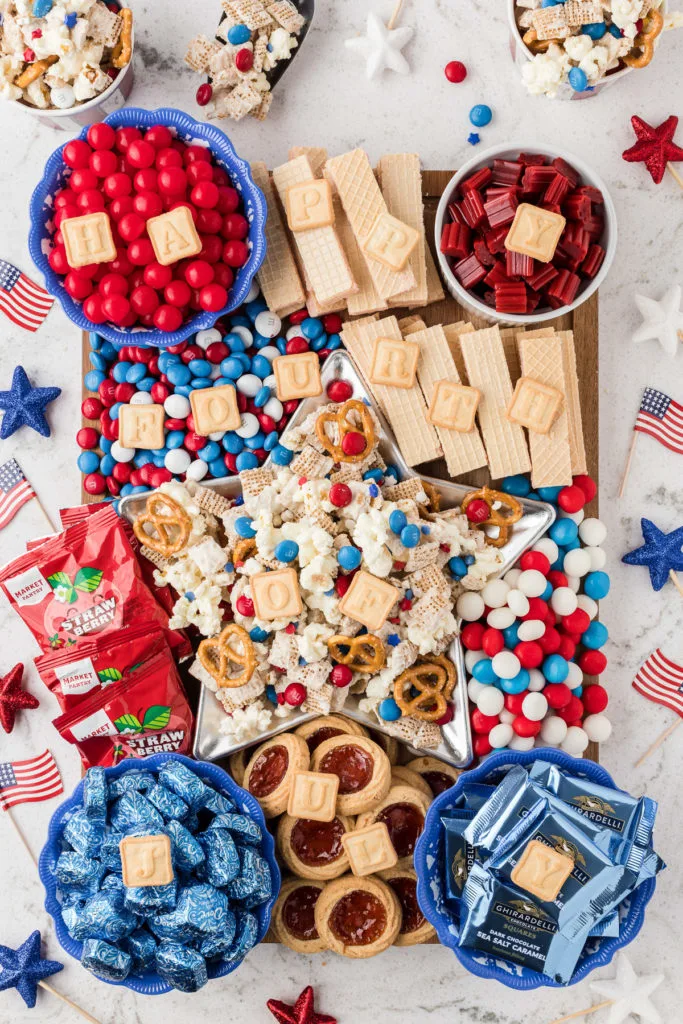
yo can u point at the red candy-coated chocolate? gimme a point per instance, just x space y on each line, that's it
353 443
341 675
244 60
295 346
572 711
94 483
340 495
332 323
455 71
339 391
204 94
567 648
593 663
492 642
87 438
478 511
571 499
550 641
558 695
472 635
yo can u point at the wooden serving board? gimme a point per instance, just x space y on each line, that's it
583 321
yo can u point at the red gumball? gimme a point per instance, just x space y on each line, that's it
103 162
235 226
595 699
172 181
101 136
199 273
194 153
58 261
587 484
482 723
177 293
567 648
117 308
535 560
113 284
213 297
118 208
66 213
83 179
205 195
550 641
571 499
572 710
492 642
593 663
146 180
141 252
90 201
159 136
148 205
472 635
228 199
76 154
168 318
525 727
235 253
117 185
338 390
144 300
198 171
481 746
157 276
223 275
530 653
92 309
141 154
131 226
341 675
124 137
209 222
77 286
558 695
212 249
577 622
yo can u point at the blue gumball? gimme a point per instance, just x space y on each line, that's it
555 668
595 636
511 635
563 532
596 585
483 672
517 684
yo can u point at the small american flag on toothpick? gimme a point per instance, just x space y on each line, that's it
22 301
660 679
660 417
36 778
15 491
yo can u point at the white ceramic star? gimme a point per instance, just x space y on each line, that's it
662 321
381 47
631 994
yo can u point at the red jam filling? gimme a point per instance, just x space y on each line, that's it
405 823
317 842
326 733
406 891
268 771
298 912
438 782
351 764
358 919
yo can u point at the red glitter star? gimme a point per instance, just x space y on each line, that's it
303 1011
13 698
655 146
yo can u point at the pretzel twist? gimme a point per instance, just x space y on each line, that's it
344 426
170 522
645 42
363 653
434 680
123 50
218 655
497 517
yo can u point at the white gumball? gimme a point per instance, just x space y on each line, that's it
244 334
471 659
141 398
249 384
588 605
522 743
512 576
500 618
536 680
598 557
576 517
268 324
576 563
474 688
500 736
531 629
576 740
534 707
598 728
490 701
518 602
197 470
273 406
563 601
532 583
249 425
121 454
554 730
177 406
574 583
574 676
495 593
507 717
470 606
177 461
548 548
206 338
593 532
506 665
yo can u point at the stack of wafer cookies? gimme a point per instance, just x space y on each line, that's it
343 238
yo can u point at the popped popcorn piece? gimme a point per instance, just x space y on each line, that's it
248 723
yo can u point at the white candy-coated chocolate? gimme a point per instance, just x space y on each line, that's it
505 664
507 717
474 689
244 333
273 406
197 470
512 576
563 601
574 583
532 583
575 676
249 426
208 337
121 454
534 707
254 291
177 407
576 517
249 384
472 657
141 398
270 352
531 629
598 557
522 743
177 461
470 606
268 324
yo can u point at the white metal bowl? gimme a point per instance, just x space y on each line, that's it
507 152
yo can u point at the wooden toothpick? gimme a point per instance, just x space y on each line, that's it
675 175
395 16
69 1002
658 742
627 468
676 582
583 1013
21 836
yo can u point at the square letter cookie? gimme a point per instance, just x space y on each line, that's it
88 239
535 232
146 860
174 236
369 600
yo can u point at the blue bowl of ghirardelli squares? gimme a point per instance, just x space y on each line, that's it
535 869
159 874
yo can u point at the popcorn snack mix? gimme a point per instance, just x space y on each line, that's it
336 576
525 235
147 229
576 44
57 54
161 872
254 38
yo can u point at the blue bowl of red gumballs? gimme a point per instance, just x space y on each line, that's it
165 227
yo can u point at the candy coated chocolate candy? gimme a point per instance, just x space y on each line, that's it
455 71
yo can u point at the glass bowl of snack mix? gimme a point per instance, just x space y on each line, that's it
525 234
67 61
571 49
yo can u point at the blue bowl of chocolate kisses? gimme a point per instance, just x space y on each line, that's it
187 893
511 935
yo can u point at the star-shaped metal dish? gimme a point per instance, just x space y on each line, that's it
24 968
655 146
24 405
630 993
661 553
662 321
381 47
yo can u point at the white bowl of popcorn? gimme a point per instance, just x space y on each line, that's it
559 59
69 62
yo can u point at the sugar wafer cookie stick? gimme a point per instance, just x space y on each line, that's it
278 276
366 299
487 370
577 448
541 359
320 249
405 409
317 157
435 292
400 179
410 324
363 203
453 333
463 451
509 335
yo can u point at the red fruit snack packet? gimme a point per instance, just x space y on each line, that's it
97 662
81 582
144 713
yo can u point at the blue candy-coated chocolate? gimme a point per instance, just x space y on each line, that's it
107 463
244 527
261 397
260 365
217 468
233 443
333 342
517 485
169 804
93 379
237 34
286 550
246 460
178 373
549 493
271 441
70 19
457 567
578 79
282 456
106 961
563 531
258 635
511 635
311 327
255 441
210 452
481 115
410 535
184 969
517 684
98 361
88 462
136 373
397 521
119 371
349 557
199 367
389 710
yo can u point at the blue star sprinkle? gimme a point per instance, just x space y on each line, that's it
24 405
473 138
661 553
23 968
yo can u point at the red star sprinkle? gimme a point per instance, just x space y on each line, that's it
303 1011
13 698
655 146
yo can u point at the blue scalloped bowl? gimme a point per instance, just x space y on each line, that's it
189 130
150 983
430 886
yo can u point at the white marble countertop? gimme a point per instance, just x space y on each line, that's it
325 100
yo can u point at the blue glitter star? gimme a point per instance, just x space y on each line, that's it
24 405
23 968
473 138
661 553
